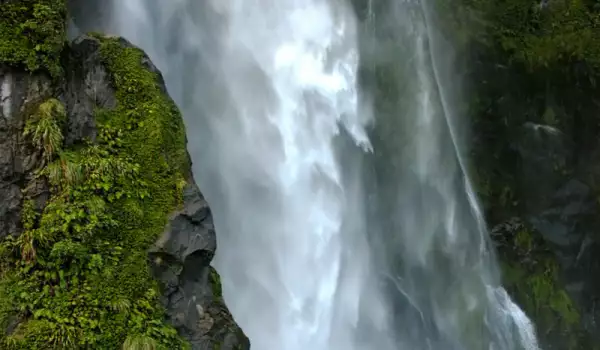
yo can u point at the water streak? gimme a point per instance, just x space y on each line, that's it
443 267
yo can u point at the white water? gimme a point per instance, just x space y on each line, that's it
288 125
269 93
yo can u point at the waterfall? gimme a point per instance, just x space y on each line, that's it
442 275
345 221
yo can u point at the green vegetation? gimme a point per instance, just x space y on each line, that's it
33 34
78 276
215 283
538 34
528 61
45 127
531 275
545 35
531 61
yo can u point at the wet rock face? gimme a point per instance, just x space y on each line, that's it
88 88
557 200
181 261
20 94
569 224
181 258
536 142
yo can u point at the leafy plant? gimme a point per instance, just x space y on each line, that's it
44 127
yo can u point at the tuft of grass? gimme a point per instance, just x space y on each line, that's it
45 127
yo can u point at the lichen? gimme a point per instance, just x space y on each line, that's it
78 276
33 34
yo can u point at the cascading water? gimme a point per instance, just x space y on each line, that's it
441 273
281 87
278 136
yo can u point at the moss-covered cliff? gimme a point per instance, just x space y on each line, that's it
533 69
529 71
97 179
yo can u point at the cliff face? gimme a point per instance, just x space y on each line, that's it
531 72
105 240
534 108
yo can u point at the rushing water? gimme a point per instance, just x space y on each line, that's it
340 226
427 227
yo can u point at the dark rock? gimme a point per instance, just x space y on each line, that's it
561 221
10 210
531 274
88 88
570 224
20 94
181 260
536 135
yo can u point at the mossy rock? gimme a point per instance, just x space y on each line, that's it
532 277
78 276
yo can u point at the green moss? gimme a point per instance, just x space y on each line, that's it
215 282
562 32
78 276
531 275
538 36
33 34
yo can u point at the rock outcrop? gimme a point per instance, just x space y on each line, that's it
105 239
192 295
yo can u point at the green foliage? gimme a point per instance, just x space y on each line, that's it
537 62
45 127
78 276
561 32
531 275
33 33
538 34
215 283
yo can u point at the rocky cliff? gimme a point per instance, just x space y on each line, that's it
529 71
105 239
533 105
